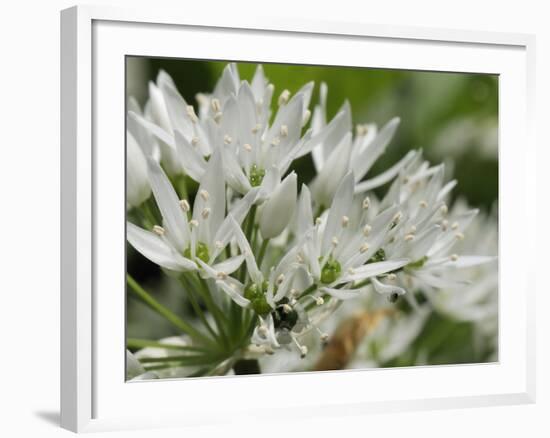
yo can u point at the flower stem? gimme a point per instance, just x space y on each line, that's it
175 320
261 255
196 306
308 290
146 343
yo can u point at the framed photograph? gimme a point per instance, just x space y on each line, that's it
280 218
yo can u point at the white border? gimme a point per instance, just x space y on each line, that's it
81 380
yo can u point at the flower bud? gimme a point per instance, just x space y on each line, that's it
279 208
138 189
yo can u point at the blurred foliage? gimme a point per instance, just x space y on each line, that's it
453 117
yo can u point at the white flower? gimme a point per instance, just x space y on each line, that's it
281 317
299 268
338 248
337 152
476 299
426 233
235 120
189 245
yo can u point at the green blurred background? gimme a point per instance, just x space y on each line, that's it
453 117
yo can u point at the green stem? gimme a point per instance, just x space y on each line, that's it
149 214
219 317
263 249
181 360
196 306
248 233
146 343
308 290
175 320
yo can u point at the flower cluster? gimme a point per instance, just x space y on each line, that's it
268 258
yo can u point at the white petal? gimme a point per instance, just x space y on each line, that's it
153 129
382 288
137 181
233 293
269 183
155 249
175 221
376 148
385 176
191 160
291 116
247 115
324 140
213 185
228 83
234 174
157 107
229 265
176 108
466 262
304 220
279 208
237 213
326 183
259 82
341 205
373 269
343 294
244 246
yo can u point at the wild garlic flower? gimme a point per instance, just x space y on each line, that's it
234 120
426 233
139 145
241 156
475 301
342 245
183 244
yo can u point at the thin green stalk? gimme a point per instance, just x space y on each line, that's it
248 233
220 319
146 343
263 249
308 290
149 214
175 320
182 187
181 360
197 308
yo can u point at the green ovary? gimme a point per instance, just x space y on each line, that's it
379 256
330 271
256 295
418 264
201 252
256 175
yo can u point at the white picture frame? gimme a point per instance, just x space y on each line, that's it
94 396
